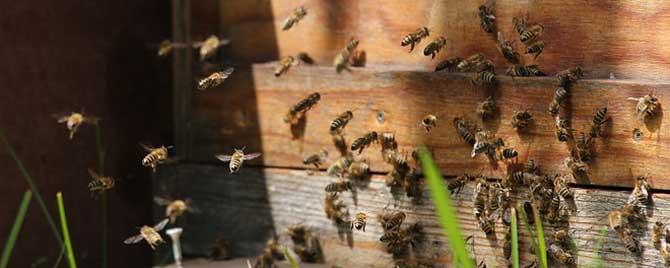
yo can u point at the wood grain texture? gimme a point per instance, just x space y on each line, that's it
628 38
223 119
231 204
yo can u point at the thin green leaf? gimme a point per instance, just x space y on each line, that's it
33 188
524 218
16 228
445 210
541 242
66 233
515 240
291 260
598 260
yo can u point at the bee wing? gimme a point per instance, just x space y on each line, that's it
249 264
146 147
161 201
228 72
61 117
197 44
161 224
91 119
251 156
93 175
191 207
288 23
223 157
133 239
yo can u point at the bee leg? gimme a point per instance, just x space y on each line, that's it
433 55
411 47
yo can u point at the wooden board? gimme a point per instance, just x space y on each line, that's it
247 207
628 38
247 110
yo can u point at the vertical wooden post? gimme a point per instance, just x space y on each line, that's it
182 76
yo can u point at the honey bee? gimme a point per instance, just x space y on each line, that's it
316 159
150 234
215 79
530 34
449 64
339 167
359 222
531 167
298 232
364 141
559 254
164 48
482 144
334 209
399 171
100 183
220 250
583 145
521 177
74 120
486 17
535 49
507 49
311 252
528 209
640 193
620 218
155 156
600 117
414 38
337 125
577 167
486 108
358 58
470 63
284 65
292 20
527 70
630 241
521 120
340 144
480 197
272 246
399 239
508 153
387 140
463 130
265 260
507 244
338 187
210 46
647 106
486 225
563 132
665 254
458 183
391 221
341 60
237 159
299 110
561 187
412 184
305 58
174 208
569 76
434 47
486 78
657 233
428 122
359 171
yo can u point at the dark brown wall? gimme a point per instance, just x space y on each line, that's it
61 56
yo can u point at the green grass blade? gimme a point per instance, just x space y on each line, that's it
515 240
103 198
291 260
66 232
445 210
33 187
598 260
524 218
541 242
16 228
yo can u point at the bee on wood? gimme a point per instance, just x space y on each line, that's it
456 185
622 217
583 145
340 166
496 198
174 208
560 255
414 38
598 120
412 184
265 260
563 131
338 187
640 194
337 125
284 65
463 130
387 141
483 145
316 159
399 171
524 71
215 79
647 106
486 78
295 17
299 109
74 120
359 221
155 156
311 252
359 171
434 47
335 209
428 122
391 221
530 34
298 232
100 183
486 17
340 144
508 153
531 167
398 239
486 225
220 250
469 63
448 65
507 50
486 108
210 46
665 254
507 244
149 234
561 188
358 58
364 141
630 241
305 58
535 49
272 246
528 209
341 60
577 167
657 233
521 120
237 159
569 76
480 197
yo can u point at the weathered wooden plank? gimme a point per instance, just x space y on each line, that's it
183 76
236 263
224 118
627 38
247 206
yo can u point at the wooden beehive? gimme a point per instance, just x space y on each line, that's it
624 40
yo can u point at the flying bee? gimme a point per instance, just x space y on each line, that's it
569 76
298 111
210 46
469 63
486 109
100 183
337 125
458 183
316 159
658 233
508 153
341 61
434 47
295 17
391 221
164 48
215 79
428 122
334 209
486 78
364 141
359 222
521 120
338 187
561 187
486 17
359 171
150 234
340 166
463 130
449 65
559 254
563 131
174 208
647 106
480 197
507 50
237 159
530 34
74 120
155 156
414 38
535 49
284 65
640 194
